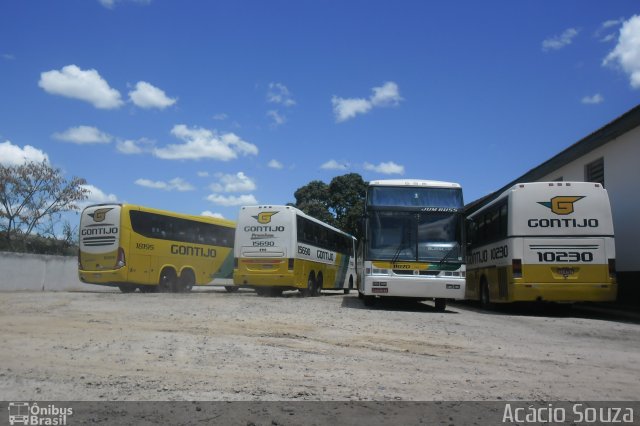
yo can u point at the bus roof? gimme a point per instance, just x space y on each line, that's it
200 218
491 199
298 212
414 183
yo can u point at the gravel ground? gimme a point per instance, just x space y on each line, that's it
213 345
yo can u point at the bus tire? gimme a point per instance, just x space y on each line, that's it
348 290
275 292
127 288
440 304
186 282
369 300
311 284
167 282
318 287
148 288
231 288
485 296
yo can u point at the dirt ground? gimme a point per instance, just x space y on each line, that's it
213 345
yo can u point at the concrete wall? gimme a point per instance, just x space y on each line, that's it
37 272
621 178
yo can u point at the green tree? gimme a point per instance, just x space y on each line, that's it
339 204
32 196
313 199
346 200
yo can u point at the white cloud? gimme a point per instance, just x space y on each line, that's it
148 96
83 135
220 117
626 54
334 165
13 155
204 143
242 200
388 168
234 183
607 26
385 95
560 41
347 108
177 184
130 146
8 56
110 4
86 85
279 94
97 196
208 213
275 164
203 174
277 118
593 100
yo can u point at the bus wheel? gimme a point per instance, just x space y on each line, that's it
275 292
186 282
441 304
127 288
318 288
167 281
369 300
148 288
348 290
231 288
311 285
485 297
261 291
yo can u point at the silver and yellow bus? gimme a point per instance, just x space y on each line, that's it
134 247
413 241
542 241
281 248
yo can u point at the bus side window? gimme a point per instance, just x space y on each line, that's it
503 221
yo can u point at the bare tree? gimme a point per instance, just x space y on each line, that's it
34 193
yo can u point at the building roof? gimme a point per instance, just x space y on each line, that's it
621 125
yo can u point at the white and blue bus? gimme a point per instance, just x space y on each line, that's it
413 241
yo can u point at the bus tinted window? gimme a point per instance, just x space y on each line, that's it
488 227
313 233
415 197
152 225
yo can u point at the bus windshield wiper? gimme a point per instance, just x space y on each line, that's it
447 254
396 255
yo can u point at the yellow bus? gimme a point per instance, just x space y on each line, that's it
542 241
134 247
281 248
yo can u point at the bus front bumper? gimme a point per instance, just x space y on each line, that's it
416 287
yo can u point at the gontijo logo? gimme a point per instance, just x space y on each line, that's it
561 205
264 217
100 215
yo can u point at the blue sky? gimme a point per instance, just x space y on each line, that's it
202 106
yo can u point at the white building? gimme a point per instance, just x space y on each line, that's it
611 156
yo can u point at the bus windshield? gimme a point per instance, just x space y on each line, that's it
393 196
408 236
